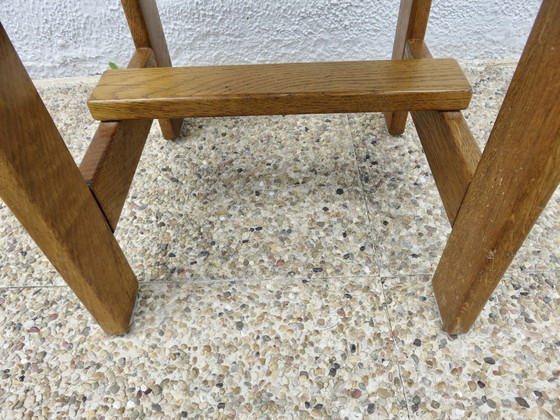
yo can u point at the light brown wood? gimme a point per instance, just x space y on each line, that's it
42 185
146 30
142 58
452 153
297 88
411 24
450 148
517 174
417 49
395 122
491 211
110 162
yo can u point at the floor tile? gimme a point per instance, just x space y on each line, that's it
295 232
21 261
403 200
505 367
317 349
262 153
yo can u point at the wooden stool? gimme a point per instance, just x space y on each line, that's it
492 199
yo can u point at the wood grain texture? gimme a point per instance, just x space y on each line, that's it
417 49
451 150
517 174
297 88
110 162
452 153
147 32
42 185
411 24
142 58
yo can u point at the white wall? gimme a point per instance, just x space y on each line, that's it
61 38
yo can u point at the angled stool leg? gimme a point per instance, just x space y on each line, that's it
518 173
146 30
412 23
42 185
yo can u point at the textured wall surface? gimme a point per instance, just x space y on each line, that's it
62 38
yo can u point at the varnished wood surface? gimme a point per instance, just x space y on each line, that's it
147 32
517 174
280 89
42 185
417 49
452 153
110 162
449 145
411 24
142 58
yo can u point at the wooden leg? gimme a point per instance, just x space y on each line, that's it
517 174
42 185
450 148
111 159
452 153
147 32
412 23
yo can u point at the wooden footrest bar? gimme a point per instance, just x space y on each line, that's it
297 88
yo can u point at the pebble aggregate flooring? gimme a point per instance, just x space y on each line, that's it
284 266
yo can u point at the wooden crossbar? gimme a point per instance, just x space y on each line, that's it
450 148
114 152
492 200
296 88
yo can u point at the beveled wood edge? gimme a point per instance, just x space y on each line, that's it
450 148
146 30
109 164
523 150
412 22
109 100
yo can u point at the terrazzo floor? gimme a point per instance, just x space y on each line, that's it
284 266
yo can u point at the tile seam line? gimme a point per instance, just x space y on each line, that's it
361 187
260 280
208 281
378 267
257 280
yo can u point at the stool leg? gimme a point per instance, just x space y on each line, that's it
517 174
42 185
146 30
412 23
